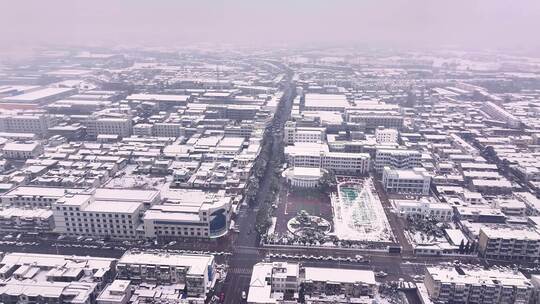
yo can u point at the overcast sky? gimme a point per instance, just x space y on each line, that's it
469 23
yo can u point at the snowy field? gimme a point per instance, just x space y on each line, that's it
358 213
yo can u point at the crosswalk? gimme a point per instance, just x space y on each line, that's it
239 271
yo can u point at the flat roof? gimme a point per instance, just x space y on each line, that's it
38 94
339 275
326 100
158 97
41 191
126 195
197 264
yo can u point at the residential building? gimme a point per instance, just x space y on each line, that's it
499 113
386 136
22 150
476 285
397 159
84 215
114 126
415 181
196 272
273 282
509 243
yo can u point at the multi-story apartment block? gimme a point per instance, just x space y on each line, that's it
194 271
293 134
509 243
83 215
386 136
413 181
168 129
31 220
397 159
114 126
498 113
476 285
36 123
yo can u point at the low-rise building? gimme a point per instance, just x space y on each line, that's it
22 150
195 272
476 285
424 208
274 282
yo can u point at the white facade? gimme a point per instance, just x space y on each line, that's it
499 113
269 282
195 271
386 136
303 177
477 285
22 150
168 129
143 129
118 292
83 215
27 123
117 126
318 156
189 214
509 243
293 134
414 181
397 158
424 208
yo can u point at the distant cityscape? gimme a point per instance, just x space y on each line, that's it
329 175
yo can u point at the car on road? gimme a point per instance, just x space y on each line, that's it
381 274
244 295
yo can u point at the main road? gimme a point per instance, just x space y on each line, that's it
245 247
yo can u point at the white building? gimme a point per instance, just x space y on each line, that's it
270 281
302 177
168 129
293 134
509 243
35 197
397 159
118 292
143 129
189 214
36 123
414 181
498 113
325 102
424 208
196 272
83 215
114 126
477 285
317 156
386 136
22 150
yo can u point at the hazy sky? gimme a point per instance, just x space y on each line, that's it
470 23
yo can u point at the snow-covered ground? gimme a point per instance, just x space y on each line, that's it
359 214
